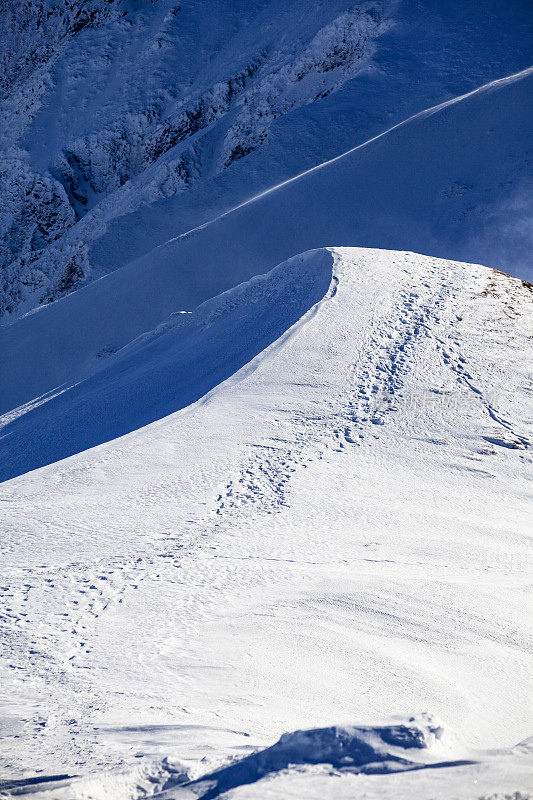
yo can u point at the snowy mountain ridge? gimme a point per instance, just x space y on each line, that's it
407 363
378 191
126 108
45 205
266 423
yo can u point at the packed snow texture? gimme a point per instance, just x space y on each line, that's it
171 584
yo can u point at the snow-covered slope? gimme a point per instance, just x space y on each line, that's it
427 185
122 116
258 476
339 495
97 94
164 370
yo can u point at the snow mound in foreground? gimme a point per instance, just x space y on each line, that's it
310 763
400 745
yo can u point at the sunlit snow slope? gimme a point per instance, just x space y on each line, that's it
336 532
259 478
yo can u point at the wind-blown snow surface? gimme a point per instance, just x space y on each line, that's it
124 123
336 532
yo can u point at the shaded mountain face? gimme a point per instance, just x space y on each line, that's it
97 93
429 185
125 123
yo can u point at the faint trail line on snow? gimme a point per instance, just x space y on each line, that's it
379 376
427 112
453 359
264 481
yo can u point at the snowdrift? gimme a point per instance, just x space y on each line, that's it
313 763
402 745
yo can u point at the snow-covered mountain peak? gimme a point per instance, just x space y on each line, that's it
266 423
371 410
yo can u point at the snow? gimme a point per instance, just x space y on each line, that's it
497 775
144 119
402 759
164 370
98 94
339 495
265 472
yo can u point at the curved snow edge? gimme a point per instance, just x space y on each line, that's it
169 369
